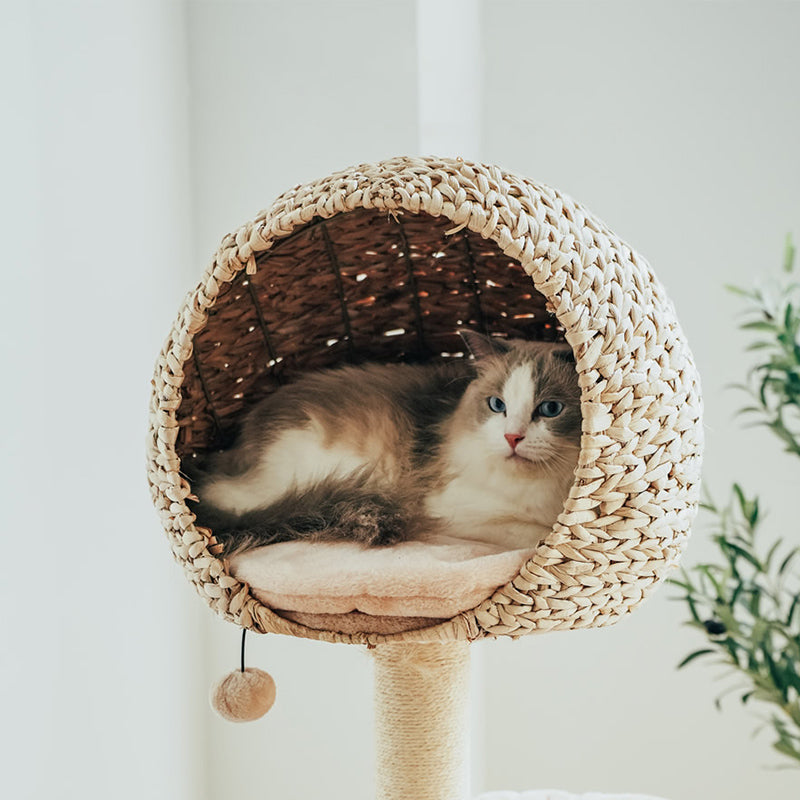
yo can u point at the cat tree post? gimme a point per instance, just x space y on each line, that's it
421 720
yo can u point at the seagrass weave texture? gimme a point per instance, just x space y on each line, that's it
386 261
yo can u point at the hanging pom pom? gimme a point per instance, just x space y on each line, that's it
243 696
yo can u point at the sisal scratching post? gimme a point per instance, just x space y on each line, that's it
421 720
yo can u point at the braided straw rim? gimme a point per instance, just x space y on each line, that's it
627 516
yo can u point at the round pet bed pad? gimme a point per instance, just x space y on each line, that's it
403 586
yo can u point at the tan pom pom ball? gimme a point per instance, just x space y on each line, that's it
243 696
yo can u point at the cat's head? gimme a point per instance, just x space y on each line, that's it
524 404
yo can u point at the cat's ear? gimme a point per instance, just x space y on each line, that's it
483 346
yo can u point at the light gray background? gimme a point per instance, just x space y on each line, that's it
136 135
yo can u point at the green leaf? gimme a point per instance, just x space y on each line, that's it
792 609
737 490
723 694
750 410
736 593
696 654
759 346
733 647
759 325
708 571
693 610
754 604
753 509
762 393
749 557
771 554
787 749
776 673
790 675
727 618
738 290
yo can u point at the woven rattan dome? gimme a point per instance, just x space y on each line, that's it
385 262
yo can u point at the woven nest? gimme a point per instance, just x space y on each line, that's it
385 262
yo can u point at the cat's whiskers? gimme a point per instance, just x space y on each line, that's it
561 461
552 459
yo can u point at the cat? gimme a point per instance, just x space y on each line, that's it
481 449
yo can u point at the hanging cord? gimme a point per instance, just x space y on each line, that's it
244 632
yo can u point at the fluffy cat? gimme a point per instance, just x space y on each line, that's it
480 449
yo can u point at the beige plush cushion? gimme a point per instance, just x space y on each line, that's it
402 587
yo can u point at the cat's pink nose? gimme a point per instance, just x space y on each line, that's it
514 439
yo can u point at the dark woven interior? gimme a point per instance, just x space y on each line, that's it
359 287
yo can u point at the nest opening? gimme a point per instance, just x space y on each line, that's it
362 286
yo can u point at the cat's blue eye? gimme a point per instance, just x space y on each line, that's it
550 408
497 405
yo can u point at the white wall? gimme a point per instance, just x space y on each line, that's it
137 135
99 629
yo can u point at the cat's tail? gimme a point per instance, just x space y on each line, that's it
335 509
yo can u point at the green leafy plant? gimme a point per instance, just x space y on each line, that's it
774 383
747 604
